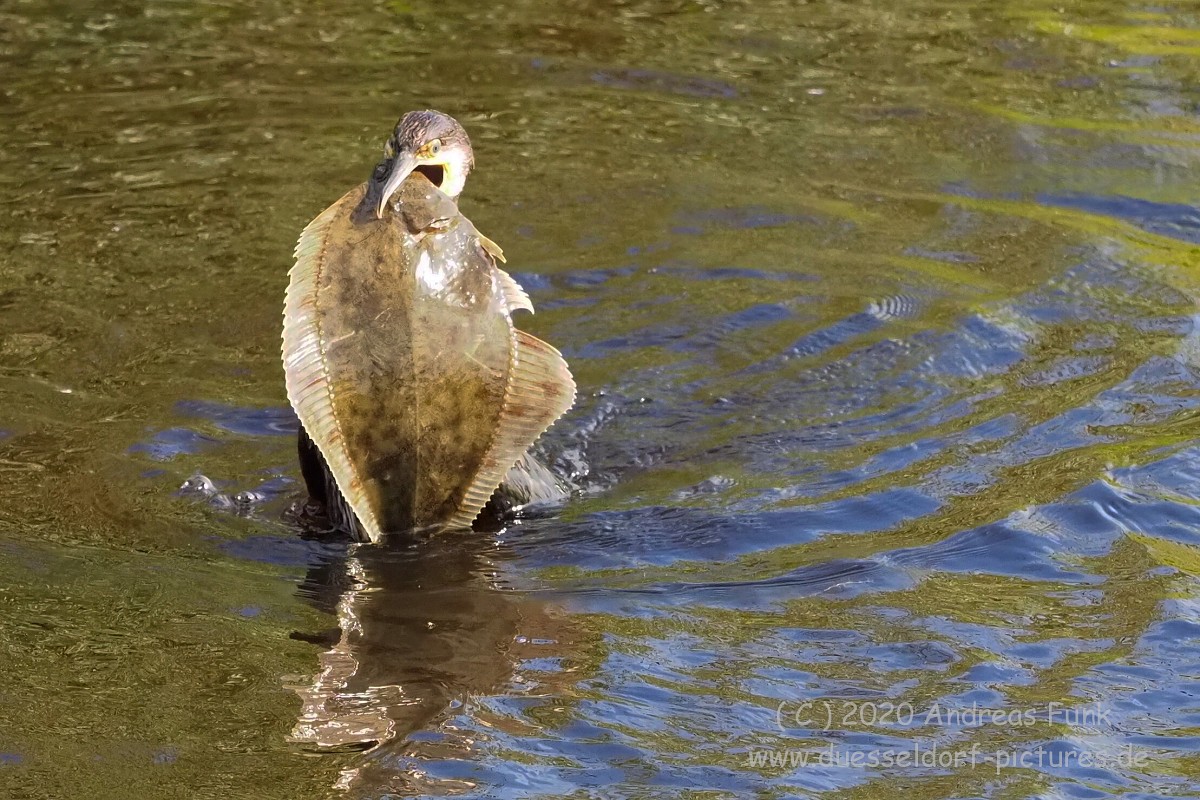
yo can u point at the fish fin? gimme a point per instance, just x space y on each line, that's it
540 390
514 295
530 482
308 385
491 247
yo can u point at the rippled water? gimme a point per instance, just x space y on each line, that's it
884 319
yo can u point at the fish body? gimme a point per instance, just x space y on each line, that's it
403 364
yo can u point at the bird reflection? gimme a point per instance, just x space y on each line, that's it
422 628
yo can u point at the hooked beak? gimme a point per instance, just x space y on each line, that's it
402 166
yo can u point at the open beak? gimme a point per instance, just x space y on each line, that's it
402 166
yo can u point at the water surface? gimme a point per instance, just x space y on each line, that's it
884 319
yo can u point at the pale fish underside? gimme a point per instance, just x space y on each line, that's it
403 364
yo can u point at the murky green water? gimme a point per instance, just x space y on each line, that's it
884 320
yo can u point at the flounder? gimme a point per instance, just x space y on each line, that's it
403 364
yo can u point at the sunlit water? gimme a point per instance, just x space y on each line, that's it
884 320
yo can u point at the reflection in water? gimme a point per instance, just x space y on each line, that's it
423 629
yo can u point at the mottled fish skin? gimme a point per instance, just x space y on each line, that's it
403 364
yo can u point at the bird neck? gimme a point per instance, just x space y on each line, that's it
454 177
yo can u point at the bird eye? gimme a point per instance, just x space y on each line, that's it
435 147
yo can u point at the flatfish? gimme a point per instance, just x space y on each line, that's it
403 364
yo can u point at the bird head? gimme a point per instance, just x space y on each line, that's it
429 142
